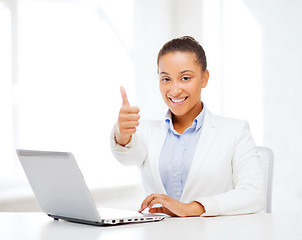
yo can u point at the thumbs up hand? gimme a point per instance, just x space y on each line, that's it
127 121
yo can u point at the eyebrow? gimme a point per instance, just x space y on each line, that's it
164 73
182 72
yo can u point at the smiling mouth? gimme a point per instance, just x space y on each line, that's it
180 100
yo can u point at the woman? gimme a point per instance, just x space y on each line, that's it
193 163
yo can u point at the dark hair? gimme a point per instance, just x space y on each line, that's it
185 44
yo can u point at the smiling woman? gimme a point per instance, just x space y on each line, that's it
193 163
181 86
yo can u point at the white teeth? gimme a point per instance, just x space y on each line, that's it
177 100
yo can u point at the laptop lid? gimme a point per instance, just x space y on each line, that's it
58 184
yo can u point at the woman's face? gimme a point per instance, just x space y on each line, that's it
181 81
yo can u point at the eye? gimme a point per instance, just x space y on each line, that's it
165 79
186 78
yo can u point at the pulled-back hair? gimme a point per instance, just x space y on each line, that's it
185 44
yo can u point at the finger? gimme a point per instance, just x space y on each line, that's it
156 210
157 202
147 201
128 124
129 109
124 97
129 131
162 210
129 117
169 205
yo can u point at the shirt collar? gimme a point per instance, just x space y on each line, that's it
197 123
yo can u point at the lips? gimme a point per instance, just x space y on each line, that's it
178 100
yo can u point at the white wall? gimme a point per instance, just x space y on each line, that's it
280 22
153 27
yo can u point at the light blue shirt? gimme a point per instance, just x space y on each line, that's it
177 155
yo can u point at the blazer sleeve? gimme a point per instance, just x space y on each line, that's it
248 195
132 154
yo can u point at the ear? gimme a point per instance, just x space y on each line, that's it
205 78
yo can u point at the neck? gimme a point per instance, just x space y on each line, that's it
181 123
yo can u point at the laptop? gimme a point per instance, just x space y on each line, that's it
62 193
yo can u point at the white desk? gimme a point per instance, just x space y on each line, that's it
34 226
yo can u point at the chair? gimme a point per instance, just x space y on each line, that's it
267 160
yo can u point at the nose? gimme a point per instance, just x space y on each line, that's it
175 90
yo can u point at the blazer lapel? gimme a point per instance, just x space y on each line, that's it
207 136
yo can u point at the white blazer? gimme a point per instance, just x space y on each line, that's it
226 175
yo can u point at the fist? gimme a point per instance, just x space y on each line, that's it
127 121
